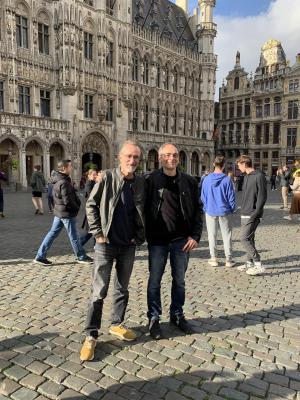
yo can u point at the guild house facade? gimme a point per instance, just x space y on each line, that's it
78 77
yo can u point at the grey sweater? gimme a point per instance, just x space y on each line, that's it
254 195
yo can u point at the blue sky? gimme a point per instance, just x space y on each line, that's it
240 8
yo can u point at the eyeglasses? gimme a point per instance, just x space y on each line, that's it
169 155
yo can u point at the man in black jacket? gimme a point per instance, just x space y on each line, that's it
66 207
173 226
253 200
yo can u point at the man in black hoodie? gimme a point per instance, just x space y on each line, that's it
253 200
66 207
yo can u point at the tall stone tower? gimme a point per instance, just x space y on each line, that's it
206 33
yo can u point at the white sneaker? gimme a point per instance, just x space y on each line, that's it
245 266
213 262
230 263
257 269
288 217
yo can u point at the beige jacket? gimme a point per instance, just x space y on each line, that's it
296 185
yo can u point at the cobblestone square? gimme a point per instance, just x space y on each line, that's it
247 340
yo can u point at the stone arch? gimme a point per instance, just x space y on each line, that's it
34 153
183 160
44 16
96 145
57 152
9 157
152 159
23 8
206 161
195 163
89 24
35 138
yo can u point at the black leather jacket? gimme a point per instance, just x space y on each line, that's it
66 201
191 209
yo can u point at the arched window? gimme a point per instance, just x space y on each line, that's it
22 26
204 135
146 71
146 116
236 83
135 117
182 160
152 162
43 33
135 67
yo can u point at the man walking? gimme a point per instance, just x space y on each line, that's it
66 207
114 211
284 176
254 197
37 183
173 227
218 197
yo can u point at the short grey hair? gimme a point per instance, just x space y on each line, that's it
62 164
161 149
128 142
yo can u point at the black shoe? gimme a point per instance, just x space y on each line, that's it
85 260
42 261
36 212
182 324
154 329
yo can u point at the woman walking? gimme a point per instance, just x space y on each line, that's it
38 183
295 206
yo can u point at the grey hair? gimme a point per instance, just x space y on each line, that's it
61 165
161 149
128 142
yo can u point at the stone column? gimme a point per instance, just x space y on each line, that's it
46 164
23 180
189 162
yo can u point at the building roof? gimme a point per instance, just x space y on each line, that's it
164 17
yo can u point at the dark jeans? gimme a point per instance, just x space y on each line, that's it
58 224
273 185
50 203
158 256
248 229
105 255
1 200
85 238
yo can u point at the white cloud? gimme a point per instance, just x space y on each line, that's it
248 34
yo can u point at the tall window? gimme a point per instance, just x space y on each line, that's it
135 116
158 75
110 55
175 81
230 137
110 6
45 103
293 109
185 123
223 134
193 86
167 79
88 106
43 34
258 134
231 109
88 46
175 126
247 107
293 85
238 133
146 71
239 109
1 96
89 2
276 133
110 110
291 137
236 83
224 110
258 109
267 107
146 117
186 85
167 116
22 31
267 134
157 124
277 105
192 123
246 133
135 67
24 100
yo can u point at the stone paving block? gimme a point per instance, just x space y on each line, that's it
148 374
74 382
282 391
70 394
70 367
129 367
15 373
54 360
170 383
56 375
89 374
155 389
32 381
24 394
252 390
129 392
193 393
177 365
276 378
113 372
4 365
93 391
37 367
233 394
7 387
51 390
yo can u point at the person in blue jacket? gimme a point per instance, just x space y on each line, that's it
218 198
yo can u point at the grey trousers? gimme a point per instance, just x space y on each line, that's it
248 229
225 223
105 255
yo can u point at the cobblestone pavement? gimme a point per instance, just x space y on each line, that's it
247 340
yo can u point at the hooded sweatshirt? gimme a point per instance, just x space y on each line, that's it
218 195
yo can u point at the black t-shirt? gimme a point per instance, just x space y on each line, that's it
122 228
170 224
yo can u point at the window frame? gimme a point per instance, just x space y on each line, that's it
88 45
22 31
24 99
88 106
45 101
43 38
2 105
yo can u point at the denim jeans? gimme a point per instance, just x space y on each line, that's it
105 255
85 238
158 256
58 224
248 229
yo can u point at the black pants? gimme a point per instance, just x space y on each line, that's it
248 228
1 200
105 255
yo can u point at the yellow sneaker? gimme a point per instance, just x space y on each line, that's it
87 352
122 332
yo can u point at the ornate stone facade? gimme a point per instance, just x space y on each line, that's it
260 116
78 77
